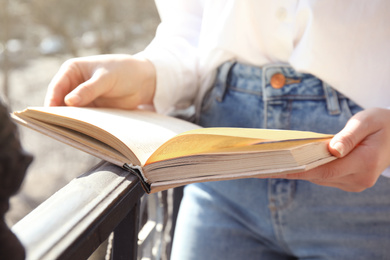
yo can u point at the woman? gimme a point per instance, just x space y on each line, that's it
267 64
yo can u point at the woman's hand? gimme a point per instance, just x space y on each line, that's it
120 81
363 148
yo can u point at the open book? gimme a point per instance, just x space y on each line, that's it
166 152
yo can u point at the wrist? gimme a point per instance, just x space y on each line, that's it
147 81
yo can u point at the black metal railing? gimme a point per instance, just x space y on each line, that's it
73 222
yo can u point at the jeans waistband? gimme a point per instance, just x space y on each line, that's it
257 81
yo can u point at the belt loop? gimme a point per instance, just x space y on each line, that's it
265 97
332 99
223 78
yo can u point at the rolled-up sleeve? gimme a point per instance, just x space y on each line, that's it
173 52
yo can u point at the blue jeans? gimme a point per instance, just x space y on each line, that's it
278 218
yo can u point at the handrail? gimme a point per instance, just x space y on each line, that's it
73 222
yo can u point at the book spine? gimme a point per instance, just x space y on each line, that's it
136 172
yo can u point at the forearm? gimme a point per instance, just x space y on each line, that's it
146 72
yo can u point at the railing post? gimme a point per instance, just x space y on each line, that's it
125 241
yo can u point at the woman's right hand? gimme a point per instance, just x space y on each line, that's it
120 81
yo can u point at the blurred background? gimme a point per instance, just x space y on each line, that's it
36 37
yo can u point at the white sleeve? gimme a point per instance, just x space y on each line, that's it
173 52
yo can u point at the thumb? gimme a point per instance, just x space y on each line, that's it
347 139
88 91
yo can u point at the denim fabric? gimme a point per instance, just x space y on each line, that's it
278 218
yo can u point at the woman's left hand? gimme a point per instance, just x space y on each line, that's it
363 149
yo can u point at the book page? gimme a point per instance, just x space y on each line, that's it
238 140
266 134
142 131
75 139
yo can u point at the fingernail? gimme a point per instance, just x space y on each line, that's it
73 100
339 147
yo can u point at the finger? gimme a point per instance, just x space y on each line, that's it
333 170
339 185
355 172
57 90
127 102
88 91
351 182
355 131
67 78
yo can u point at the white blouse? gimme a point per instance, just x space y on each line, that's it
345 43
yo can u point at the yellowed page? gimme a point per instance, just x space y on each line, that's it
142 131
217 140
266 134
